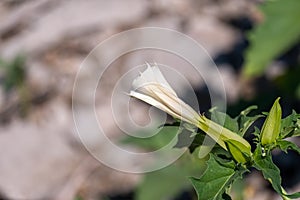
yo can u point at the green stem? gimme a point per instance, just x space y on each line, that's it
284 192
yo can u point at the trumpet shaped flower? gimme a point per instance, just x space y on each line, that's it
152 88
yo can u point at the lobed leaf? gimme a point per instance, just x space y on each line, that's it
285 145
290 126
270 171
215 180
246 121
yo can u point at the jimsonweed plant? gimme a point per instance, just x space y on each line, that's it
232 156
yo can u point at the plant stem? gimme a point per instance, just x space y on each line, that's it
284 192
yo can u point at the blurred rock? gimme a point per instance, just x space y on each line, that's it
211 33
35 161
69 19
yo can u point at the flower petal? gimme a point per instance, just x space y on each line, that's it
154 103
151 75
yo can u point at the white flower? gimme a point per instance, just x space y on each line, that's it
152 88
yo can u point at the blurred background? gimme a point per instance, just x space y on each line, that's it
254 43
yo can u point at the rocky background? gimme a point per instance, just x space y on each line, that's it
47 40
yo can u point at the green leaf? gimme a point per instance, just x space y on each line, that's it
256 133
290 126
220 152
215 180
168 182
246 121
162 184
279 31
287 145
271 128
270 171
246 111
163 137
293 196
15 73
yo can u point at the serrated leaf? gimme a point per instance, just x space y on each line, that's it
221 153
271 128
246 121
275 35
270 172
287 145
216 178
256 133
290 126
287 124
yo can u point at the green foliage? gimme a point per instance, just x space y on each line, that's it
224 166
278 32
14 73
240 124
270 172
13 77
162 184
290 126
245 121
170 181
164 136
285 145
215 180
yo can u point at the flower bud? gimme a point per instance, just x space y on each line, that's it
239 152
271 128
